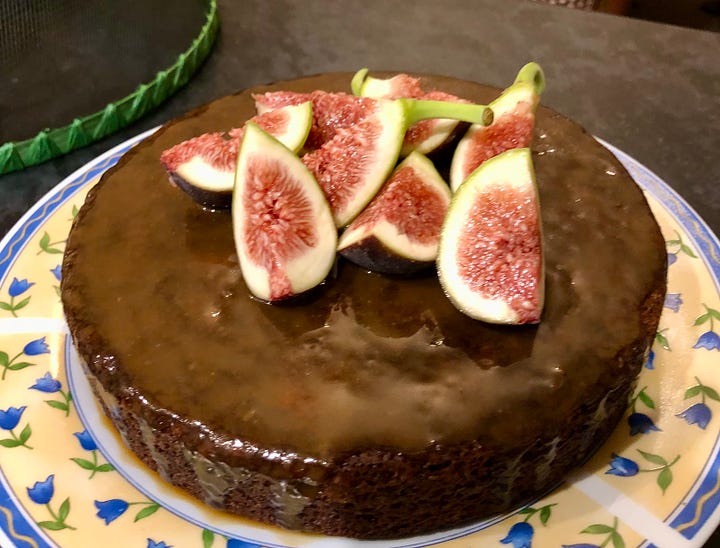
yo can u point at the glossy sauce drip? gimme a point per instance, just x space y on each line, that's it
365 360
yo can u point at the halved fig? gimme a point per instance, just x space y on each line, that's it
490 261
425 136
354 164
331 111
204 166
398 232
512 127
284 232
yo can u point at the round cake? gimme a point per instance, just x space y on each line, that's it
369 407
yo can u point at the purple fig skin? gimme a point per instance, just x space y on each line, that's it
370 253
447 147
207 198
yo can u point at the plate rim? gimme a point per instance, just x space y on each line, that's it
13 243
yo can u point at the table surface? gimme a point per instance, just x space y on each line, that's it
652 90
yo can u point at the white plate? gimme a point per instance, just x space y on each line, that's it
659 487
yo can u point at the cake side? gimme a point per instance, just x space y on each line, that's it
478 458
379 493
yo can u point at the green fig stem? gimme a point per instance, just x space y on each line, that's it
357 81
533 74
421 109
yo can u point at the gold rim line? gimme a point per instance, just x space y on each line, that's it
11 529
698 508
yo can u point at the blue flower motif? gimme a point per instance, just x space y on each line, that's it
699 414
10 418
235 543
708 340
46 384
520 535
650 363
110 510
42 492
623 467
36 347
673 301
640 423
56 272
18 287
671 258
152 544
86 441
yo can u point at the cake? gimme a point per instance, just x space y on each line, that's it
370 407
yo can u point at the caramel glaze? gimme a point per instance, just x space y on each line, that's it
157 305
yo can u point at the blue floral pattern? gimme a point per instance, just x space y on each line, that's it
49 385
9 420
17 288
676 246
521 533
640 423
673 301
93 466
42 493
624 467
33 348
57 274
699 413
708 340
110 510
650 363
20 285
236 543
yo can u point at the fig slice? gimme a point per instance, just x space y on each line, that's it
284 232
398 232
490 261
332 111
512 127
425 136
204 166
354 164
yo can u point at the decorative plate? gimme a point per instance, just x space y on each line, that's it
66 479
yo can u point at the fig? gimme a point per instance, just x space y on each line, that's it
426 136
512 127
398 232
204 166
284 232
331 111
490 261
354 164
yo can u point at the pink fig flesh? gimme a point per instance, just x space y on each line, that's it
332 112
511 130
504 262
398 232
353 165
425 136
284 232
491 259
204 166
279 227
